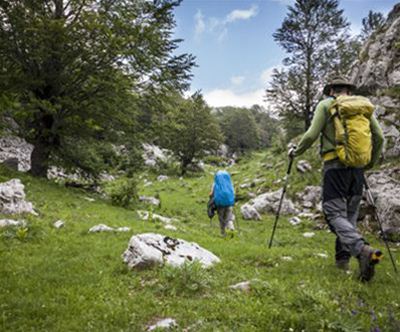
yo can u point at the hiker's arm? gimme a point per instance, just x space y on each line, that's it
377 142
311 135
212 191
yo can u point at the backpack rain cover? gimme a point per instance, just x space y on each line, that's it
224 195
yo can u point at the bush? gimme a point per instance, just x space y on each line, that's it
189 279
122 191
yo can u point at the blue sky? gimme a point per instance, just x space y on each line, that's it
232 41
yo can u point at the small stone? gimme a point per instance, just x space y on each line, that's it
166 323
244 286
123 229
295 221
308 234
59 224
162 178
100 228
149 200
303 166
287 258
10 222
322 255
89 199
170 227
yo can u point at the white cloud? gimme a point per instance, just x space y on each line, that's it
200 25
219 26
242 14
237 80
225 97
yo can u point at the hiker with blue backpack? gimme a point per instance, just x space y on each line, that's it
351 141
223 197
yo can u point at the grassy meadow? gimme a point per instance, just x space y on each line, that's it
69 280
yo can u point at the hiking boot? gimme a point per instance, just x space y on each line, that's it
367 260
343 264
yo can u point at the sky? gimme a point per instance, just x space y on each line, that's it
233 44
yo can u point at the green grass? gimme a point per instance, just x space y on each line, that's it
69 280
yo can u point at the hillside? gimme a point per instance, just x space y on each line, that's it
69 280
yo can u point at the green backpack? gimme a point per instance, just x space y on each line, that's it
353 139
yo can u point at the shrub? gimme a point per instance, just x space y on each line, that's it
122 191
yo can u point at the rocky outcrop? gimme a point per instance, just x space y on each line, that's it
377 75
12 198
17 150
150 249
268 203
385 188
153 155
379 64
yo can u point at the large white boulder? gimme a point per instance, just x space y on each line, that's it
268 203
155 249
12 198
153 155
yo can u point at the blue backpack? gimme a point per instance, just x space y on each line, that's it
224 195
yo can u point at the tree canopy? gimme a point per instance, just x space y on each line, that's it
73 73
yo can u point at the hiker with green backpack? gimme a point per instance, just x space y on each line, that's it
351 141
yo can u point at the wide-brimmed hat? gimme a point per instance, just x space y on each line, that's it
337 81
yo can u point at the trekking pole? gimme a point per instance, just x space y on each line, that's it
236 220
370 198
281 200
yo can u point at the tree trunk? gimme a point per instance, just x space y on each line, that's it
40 159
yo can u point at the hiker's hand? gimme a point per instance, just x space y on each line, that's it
292 151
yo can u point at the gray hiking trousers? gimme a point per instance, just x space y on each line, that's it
341 197
225 216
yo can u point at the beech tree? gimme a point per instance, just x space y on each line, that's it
74 71
309 34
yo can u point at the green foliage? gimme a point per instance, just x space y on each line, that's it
372 23
239 128
189 279
67 280
75 71
122 191
190 130
309 34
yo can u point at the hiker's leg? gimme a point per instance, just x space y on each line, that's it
229 218
221 218
335 193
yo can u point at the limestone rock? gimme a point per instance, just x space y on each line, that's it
249 212
269 202
303 166
162 178
10 222
149 200
244 286
12 198
310 197
155 249
154 155
17 149
104 228
385 188
59 224
145 215
163 324
101 228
